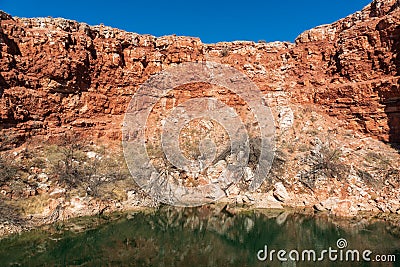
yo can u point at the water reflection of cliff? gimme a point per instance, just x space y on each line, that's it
205 236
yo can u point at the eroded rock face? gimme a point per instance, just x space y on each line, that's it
353 68
331 90
57 74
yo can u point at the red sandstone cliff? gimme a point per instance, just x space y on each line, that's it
57 74
331 90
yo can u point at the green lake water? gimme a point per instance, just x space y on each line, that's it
197 237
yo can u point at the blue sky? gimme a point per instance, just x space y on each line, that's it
212 21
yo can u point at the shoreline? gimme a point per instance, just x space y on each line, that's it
110 211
